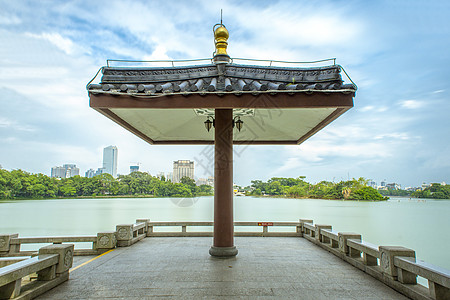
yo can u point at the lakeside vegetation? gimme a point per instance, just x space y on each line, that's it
355 189
393 192
435 191
18 184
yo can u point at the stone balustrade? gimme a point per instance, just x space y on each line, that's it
52 266
13 245
309 231
128 234
395 266
186 233
438 279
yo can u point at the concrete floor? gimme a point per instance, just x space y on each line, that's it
265 268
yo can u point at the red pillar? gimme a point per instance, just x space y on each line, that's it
223 244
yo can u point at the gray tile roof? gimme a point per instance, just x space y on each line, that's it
220 79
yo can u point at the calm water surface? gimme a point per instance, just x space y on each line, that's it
422 225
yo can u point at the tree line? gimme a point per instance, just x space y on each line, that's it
355 189
436 191
18 184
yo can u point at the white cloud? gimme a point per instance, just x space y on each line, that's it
160 53
13 125
438 91
301 24
313 153
412 104
367 108
63 43
9 20
394 136
373 108
5 122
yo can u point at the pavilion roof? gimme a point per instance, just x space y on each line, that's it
219 79
169 105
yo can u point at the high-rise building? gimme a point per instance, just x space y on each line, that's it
134 169
110 160
99 171
58 172
169 176
182 168
66 171
372 184
208 181
394 186
89 173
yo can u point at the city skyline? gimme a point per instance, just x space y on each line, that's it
182 168
396 52
70 170
110 154
66 171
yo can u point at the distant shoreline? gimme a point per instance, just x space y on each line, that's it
156 197
309 198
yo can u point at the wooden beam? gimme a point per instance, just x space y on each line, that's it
109 114
264 100
333 116
211 142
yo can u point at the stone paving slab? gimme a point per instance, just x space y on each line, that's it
181 268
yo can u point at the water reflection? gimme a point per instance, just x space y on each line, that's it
184 202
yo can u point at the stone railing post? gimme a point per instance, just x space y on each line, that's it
343 248
302 223
106 241
65 252
146 221
437 291
5 245
319 237
124 235
387 254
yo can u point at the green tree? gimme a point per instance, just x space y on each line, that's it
366 193
190 184
205 189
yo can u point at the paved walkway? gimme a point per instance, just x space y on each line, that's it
265 268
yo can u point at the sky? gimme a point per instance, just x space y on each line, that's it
397 52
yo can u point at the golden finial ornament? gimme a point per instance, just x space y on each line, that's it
220 38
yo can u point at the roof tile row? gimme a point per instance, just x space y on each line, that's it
211 85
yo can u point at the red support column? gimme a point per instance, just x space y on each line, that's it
223 244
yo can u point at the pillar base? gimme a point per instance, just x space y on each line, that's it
223 251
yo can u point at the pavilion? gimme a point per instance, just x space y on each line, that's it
237 103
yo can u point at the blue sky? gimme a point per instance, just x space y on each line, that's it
396 51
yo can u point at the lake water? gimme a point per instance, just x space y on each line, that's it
422 225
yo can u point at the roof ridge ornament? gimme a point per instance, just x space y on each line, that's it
221 36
